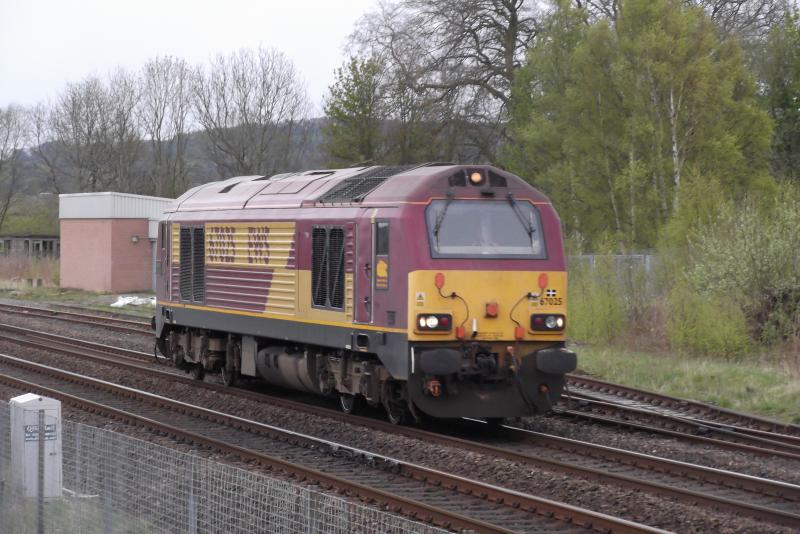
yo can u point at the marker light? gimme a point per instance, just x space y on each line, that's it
439 280
547 322
543 280
439 322
475 178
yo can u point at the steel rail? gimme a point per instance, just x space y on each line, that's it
112 323
687 433
684 435
766 440
659 399
755 485
762 426
547 509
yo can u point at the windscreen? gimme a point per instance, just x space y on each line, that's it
484 229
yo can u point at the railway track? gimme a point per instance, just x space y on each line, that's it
608 412
730 492
622 414
683 416
127 326
593 388
423 493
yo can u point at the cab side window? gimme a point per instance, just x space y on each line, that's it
382 239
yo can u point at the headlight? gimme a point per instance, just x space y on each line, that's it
439 322
547 322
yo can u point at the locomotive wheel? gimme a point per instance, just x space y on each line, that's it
228 375
350 403
393 403
197 371
396 412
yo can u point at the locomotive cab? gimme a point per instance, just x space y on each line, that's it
487 313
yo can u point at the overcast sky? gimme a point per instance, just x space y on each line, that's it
44 44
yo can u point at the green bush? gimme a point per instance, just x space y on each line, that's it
750 254
706 324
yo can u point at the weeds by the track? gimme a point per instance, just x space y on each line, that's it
76 297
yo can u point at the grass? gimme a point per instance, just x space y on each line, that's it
758 386
76 297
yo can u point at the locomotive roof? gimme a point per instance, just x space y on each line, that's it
374 185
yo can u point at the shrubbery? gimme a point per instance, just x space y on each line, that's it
752 256
731 283
705 324
596 303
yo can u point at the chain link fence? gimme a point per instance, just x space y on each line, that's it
113 483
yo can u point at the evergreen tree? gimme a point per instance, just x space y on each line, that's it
353 109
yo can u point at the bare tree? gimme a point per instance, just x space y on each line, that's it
13 130
163 112
89 138
47 159
458 57
252 107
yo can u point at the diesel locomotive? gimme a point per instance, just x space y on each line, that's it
435 289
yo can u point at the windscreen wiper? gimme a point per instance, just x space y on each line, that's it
528 225
440 218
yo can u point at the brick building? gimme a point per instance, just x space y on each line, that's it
108 240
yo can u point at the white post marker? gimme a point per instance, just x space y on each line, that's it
26 411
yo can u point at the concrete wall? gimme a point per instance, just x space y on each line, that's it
99 255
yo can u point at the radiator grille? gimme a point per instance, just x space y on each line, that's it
198 264
192 264
336 267
186 263
355 188
319 268
327 267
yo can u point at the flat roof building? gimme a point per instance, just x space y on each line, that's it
108 240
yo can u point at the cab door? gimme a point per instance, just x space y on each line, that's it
364 271
163 268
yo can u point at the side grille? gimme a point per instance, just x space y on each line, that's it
186 264
327 267
319 267
198 264
356 188
192 266
336 268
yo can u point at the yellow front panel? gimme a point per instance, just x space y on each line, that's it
478 288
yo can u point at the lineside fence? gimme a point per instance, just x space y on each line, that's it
634 273
113 483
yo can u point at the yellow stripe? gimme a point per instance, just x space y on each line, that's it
284 318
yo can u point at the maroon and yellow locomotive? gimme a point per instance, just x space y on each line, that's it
436 288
